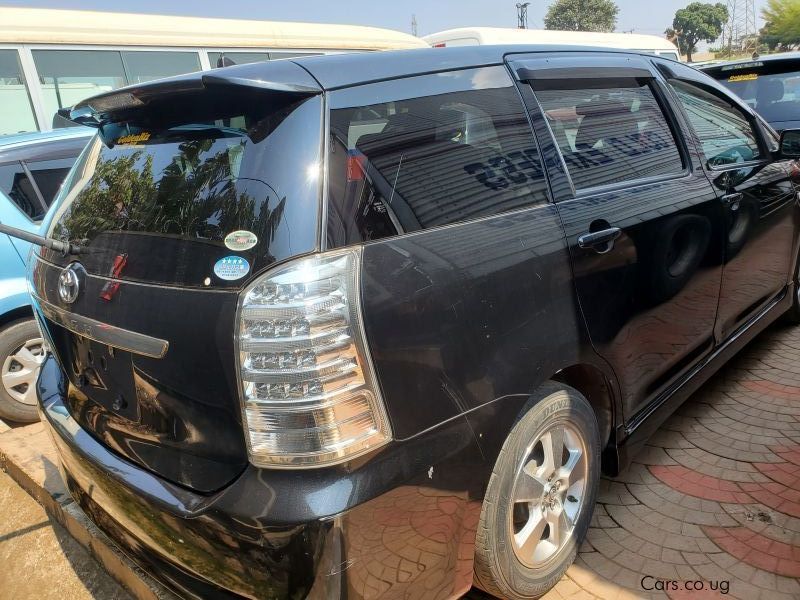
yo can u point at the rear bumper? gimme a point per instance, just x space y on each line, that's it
399 524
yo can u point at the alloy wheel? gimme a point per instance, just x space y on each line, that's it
548 494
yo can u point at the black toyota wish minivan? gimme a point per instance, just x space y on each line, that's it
373 325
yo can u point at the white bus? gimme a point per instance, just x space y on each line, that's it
481 36
51 59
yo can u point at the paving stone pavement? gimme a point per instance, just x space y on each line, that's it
713 498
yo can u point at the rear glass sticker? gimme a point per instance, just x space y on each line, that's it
231 268
240 240
133 138
743 77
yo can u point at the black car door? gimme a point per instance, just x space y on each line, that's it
756 191
639 215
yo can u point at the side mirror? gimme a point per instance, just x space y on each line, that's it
790 143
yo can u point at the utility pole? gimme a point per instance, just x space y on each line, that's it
414 31
741 26
522 15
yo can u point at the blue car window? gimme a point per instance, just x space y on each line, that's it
14 182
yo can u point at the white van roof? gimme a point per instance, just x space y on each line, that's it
503 35
46 26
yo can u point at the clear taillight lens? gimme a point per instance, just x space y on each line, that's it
307 384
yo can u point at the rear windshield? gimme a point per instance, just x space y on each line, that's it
163 200
775 95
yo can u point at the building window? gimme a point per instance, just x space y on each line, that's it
69 76
16 115
145 66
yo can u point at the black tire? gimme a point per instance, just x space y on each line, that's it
12 338
498 570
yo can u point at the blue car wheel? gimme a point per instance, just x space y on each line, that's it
22 353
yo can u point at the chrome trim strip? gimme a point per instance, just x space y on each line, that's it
103 333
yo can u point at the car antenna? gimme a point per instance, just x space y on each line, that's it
64 247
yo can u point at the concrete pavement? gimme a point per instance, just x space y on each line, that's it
40 560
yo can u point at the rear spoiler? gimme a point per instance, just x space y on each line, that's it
280 77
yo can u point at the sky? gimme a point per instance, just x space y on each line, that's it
643 16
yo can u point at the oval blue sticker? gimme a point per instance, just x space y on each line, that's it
231 268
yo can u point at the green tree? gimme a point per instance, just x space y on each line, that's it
781 23
582 15
697 22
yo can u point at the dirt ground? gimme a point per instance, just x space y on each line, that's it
39 559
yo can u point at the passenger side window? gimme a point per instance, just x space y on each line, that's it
15 183
400 162
724 131
609 131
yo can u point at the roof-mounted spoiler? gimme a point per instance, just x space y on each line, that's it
282 77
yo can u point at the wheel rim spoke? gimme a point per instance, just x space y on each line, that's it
529 487
529 537
560 527
27 358
553 443
29 396
12 379
574 469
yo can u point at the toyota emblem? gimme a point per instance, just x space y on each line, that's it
69 284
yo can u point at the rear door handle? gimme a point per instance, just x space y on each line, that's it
732 200
596 238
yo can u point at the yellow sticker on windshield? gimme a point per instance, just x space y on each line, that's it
743 77
134 138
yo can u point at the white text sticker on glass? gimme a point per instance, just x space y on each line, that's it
240 240
231 268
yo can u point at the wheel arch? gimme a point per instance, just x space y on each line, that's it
16 314
492 423
596 386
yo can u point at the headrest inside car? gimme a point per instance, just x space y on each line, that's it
770 91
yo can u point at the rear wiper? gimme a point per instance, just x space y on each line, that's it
64 247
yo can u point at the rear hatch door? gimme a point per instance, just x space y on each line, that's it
192 186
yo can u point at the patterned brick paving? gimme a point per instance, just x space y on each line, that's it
713 501
714 497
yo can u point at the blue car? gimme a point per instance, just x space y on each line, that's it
32 167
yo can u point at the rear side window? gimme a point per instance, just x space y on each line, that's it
609 131
724 131
401 162
49 174
16 184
